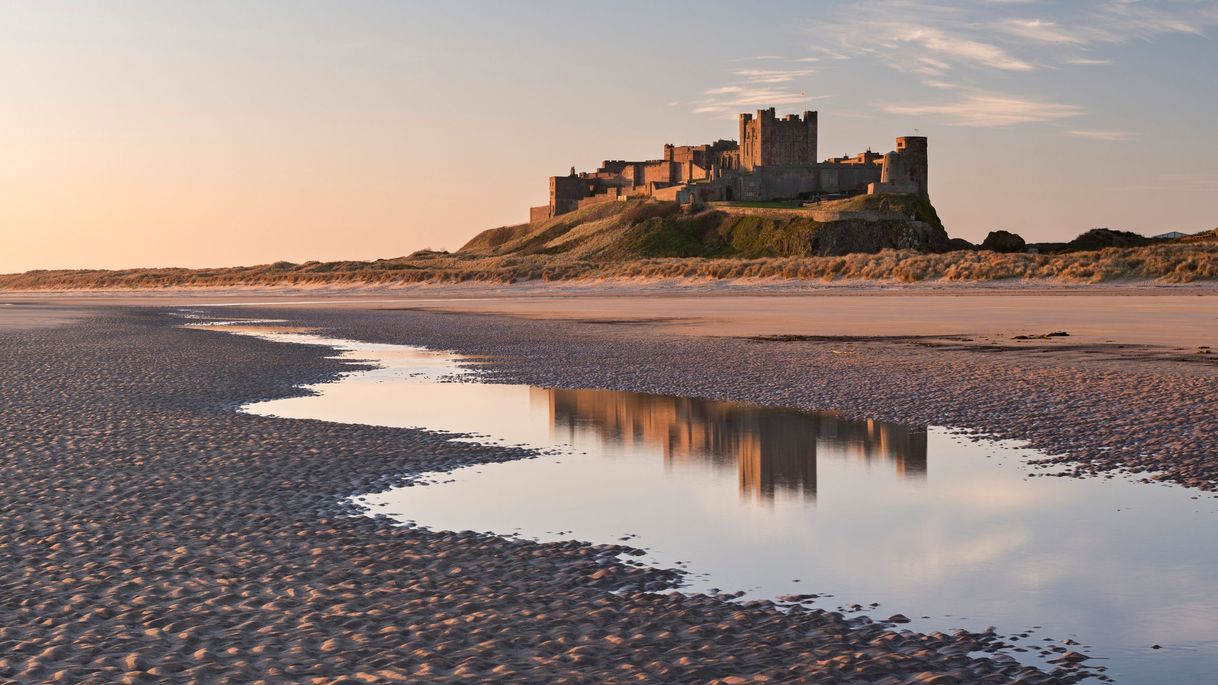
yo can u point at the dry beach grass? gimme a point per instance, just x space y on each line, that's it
1172 263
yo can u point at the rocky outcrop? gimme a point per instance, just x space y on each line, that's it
1003 241
1099 238
1095 239
845 237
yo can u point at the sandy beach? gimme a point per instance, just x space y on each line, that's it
154 534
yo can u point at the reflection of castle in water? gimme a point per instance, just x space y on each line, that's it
774 450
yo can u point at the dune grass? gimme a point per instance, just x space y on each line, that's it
1169 263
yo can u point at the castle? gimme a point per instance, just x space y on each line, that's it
775 159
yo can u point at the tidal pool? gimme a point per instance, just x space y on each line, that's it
949 530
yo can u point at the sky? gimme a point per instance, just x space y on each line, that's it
221 133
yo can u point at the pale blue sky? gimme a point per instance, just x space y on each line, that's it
215 133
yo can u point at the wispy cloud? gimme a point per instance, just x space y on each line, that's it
731 103
1110 136
1038 30
946 48
941 85
939 36
989 110
772 75
1124 20
756 88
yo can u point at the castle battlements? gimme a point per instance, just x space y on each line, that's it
775 159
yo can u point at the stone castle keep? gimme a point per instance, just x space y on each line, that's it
775 159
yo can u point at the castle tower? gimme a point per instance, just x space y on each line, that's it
904 170
913 149
766 140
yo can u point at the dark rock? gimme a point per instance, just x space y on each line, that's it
1095 239
1099 238
1072 658
1003 241
1042 336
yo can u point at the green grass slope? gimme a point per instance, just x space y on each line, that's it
641 229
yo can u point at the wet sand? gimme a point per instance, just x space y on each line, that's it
1174 317
1174 320
153 534
23 315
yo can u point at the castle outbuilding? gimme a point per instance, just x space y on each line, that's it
776 159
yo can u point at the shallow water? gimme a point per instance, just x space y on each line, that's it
951 531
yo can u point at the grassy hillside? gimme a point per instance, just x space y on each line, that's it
643 229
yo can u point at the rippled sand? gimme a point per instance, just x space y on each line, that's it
151 533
